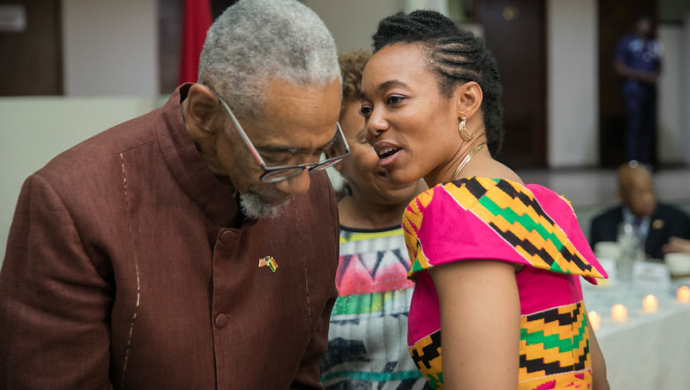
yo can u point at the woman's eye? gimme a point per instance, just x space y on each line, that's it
365 111
395 99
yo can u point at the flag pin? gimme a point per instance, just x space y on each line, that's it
268 261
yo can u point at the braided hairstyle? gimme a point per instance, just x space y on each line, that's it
455 56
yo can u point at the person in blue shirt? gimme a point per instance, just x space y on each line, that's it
638 60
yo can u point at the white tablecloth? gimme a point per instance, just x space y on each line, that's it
648 351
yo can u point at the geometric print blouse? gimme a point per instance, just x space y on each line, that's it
530 225
368 325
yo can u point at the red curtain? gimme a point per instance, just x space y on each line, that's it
197 20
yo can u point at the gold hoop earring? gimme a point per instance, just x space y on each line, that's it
463 132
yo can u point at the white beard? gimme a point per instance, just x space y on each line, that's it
256 208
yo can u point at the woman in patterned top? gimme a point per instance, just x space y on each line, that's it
366 347
497 263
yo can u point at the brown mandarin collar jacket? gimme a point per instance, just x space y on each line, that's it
123 269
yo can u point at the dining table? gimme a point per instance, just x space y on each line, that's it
643 349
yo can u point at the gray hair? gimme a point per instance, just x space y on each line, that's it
255 41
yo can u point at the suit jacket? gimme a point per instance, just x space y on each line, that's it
666 221
128 266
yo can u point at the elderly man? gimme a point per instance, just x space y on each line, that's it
656 222
189 248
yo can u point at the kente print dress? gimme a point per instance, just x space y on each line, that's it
484 218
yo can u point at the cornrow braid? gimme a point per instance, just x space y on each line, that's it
455 55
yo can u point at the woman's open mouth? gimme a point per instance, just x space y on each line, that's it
386 152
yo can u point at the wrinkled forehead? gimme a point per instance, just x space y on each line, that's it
304 113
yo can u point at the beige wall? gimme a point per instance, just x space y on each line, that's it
573 105
110 47
670 104
34 130
353 22
685 81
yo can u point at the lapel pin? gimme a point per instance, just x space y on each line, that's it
268 261
658 224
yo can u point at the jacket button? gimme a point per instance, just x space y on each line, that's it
221 320
226 236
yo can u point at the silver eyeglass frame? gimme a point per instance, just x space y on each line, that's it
291 170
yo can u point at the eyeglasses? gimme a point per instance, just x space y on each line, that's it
274 174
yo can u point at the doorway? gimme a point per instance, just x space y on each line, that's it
32 55
515 32
616 18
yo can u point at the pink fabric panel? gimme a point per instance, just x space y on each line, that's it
449 233
425 316
540 290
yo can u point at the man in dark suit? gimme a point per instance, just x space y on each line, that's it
656 222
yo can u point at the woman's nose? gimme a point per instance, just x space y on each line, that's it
376 125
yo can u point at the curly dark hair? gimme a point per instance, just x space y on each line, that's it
351 67
455 56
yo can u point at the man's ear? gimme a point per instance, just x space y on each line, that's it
468 99
204 113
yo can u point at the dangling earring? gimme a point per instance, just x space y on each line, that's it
463 131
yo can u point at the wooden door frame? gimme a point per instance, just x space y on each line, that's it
541 117
22 73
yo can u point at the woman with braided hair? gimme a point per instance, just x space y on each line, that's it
497 263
